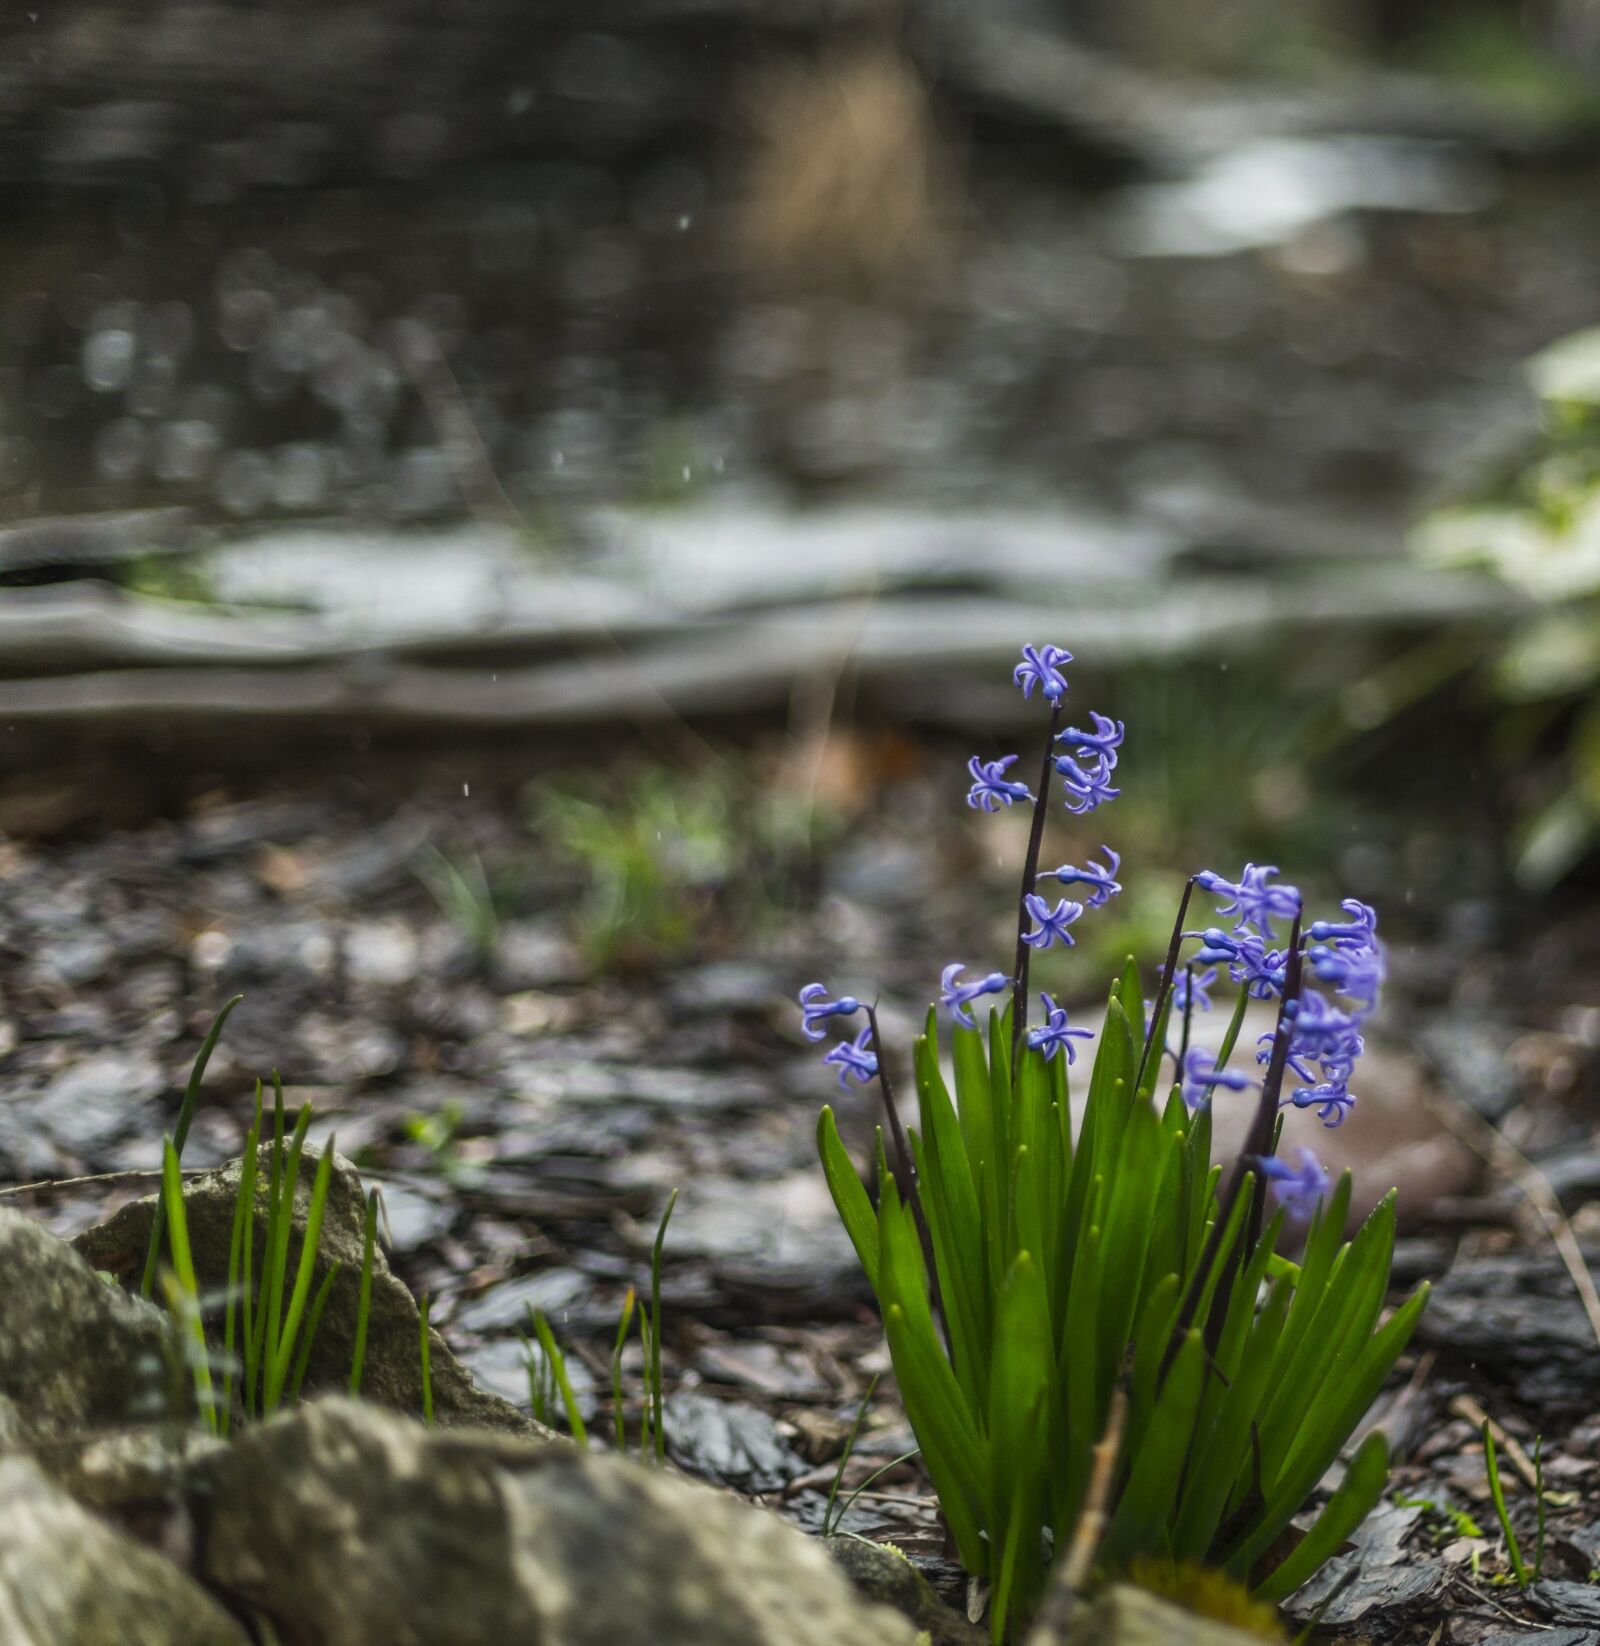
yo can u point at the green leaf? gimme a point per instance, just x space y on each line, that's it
1226 1449
1020 1382
191 1100
278 1366
973 1096
187 1287
849 1196
1337 1411
1354 1500
557 1362
1144 1511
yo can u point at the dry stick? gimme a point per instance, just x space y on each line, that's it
1030 875
1465 1406
1501 1155
1164 988
1055 1616
44 1184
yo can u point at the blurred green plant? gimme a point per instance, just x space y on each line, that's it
1534 525
461 888
668 857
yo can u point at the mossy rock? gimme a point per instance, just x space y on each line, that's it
392 1374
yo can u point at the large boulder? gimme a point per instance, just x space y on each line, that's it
76 1353
68 1579
392 1374
349 1526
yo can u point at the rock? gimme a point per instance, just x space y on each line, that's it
1516 1317
352 1527
76 1352
1125 1616
728 1441
68 1579
393 1373
882 1573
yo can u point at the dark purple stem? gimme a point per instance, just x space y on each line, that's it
1030 876
904 1167
1164 988
1257 1146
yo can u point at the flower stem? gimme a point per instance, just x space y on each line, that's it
1030 876
1257 1145
904 1167
1164 988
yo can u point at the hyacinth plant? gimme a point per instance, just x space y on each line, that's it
1049 1291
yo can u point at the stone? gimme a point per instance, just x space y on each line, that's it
1125 1616
76 1352
882 1573
392 1374
69 1579
355 1527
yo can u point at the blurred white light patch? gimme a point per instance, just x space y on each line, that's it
1268 193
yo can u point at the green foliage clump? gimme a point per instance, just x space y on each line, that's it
1029 1277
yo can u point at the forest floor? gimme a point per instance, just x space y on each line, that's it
528 1100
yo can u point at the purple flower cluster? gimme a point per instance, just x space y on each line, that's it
853 1058
1089 786
1085 770
1325 1039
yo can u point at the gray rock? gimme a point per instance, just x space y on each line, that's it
1125 1616
98 1100
68 1579
882 1573
352 1527
76 1352
728 1441
393 1374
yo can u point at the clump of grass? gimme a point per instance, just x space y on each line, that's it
460 886
547 1374
270 1314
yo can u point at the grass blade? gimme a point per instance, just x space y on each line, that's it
191 1100
358 1355
655 1329
186 1289
557 1362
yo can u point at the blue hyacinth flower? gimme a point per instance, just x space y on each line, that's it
1106 738
1300 1187
816 1008
1103 887
1252 899
1087 787
956 997
854 1060
1050 925
1054 1035
989 786
1201 1075
1041 667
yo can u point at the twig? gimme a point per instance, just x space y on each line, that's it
45 1184
1465 1406
1073 1571
1501 1155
